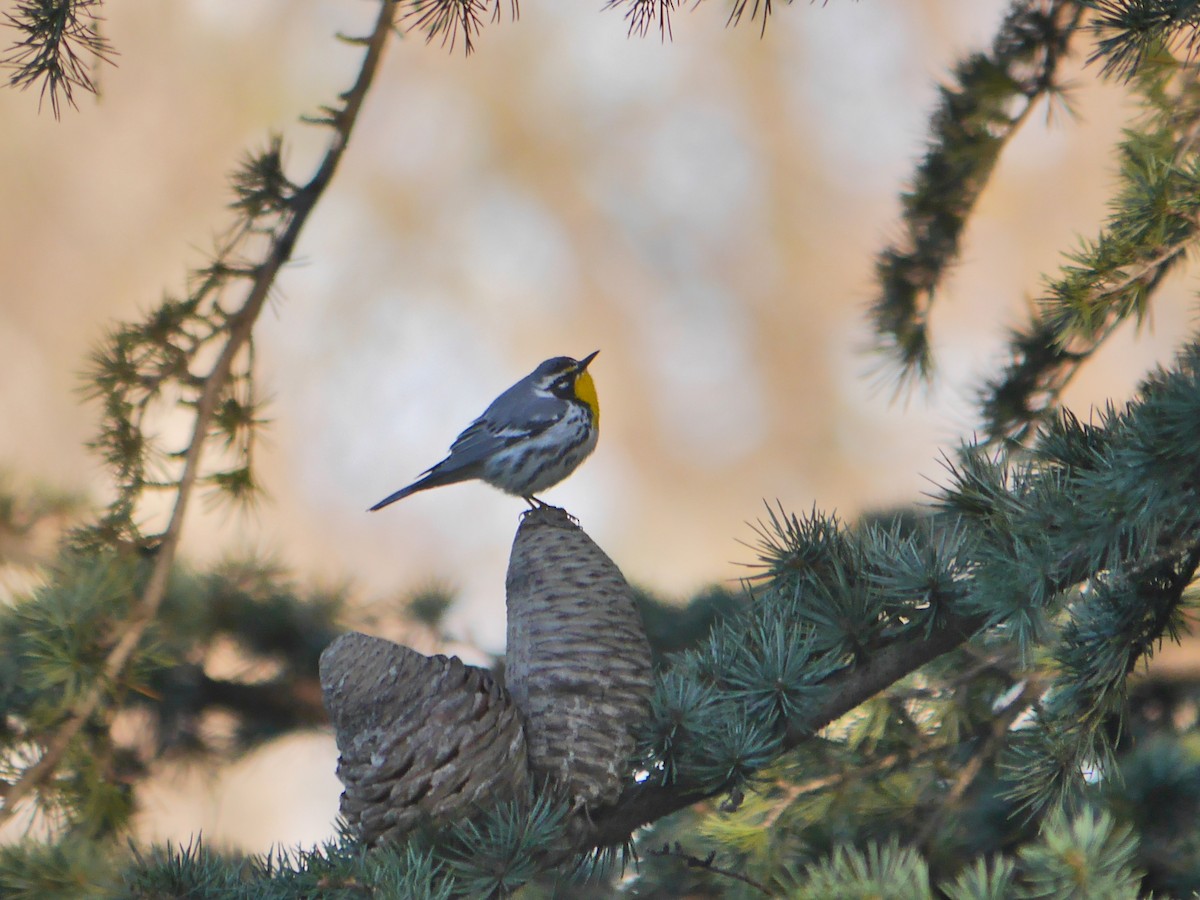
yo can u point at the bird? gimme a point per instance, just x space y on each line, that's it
530 438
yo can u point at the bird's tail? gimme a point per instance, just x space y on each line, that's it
399 495
433 478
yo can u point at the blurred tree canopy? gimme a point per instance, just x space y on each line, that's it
943 701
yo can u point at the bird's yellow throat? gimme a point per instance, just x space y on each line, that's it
585 391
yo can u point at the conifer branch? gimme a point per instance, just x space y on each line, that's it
1155 222
647 801
1029 542
447 20
708 864
990 97
235 334
1135 30
61 44
644 15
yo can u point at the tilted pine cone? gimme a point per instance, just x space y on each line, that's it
578 663
421 738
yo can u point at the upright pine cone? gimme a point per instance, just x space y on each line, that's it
578 663
422 738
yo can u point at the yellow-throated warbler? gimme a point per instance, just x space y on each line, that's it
533 435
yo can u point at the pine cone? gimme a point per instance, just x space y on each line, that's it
421 738
578 663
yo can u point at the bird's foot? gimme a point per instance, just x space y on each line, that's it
537 505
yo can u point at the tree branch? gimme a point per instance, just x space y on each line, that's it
647 802
1053 347
969 129
239 328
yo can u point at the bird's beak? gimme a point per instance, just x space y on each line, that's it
583 363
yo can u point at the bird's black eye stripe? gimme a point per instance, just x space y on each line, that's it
562 386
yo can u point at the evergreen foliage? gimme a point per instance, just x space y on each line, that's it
53 648
989 98
193 353
60 43
1107 281
924 703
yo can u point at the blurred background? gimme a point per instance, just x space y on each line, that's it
705 212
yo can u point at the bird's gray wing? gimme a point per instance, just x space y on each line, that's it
504 423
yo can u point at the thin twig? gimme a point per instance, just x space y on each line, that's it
987 750
708 864
792 791
240 325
